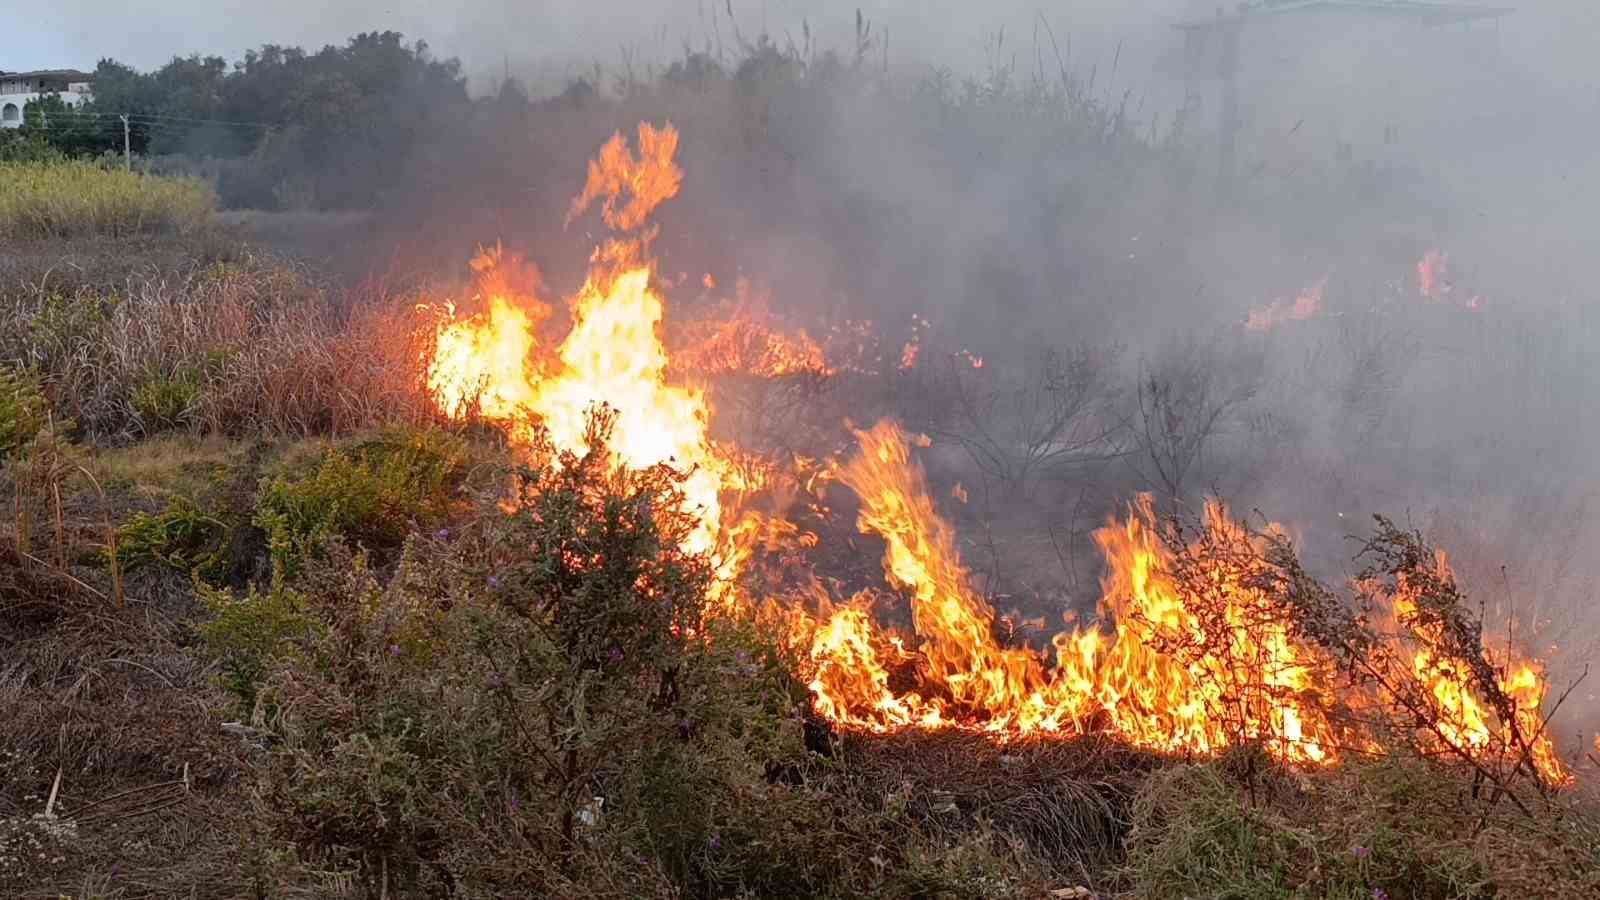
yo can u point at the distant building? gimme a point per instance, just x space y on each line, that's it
17 89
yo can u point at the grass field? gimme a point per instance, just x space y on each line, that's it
77 199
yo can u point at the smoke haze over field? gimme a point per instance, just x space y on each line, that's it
1462 397
1552 37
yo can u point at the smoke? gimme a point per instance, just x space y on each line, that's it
1364 143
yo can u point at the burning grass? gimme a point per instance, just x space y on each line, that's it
628 674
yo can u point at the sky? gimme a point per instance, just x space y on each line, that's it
540 33
549 39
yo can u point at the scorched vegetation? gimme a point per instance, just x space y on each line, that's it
625 584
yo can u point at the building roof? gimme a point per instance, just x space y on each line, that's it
1423 11
66 74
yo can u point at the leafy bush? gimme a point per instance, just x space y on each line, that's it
1395 827
23 410
372 492
536 708
247 635
70 199
182 536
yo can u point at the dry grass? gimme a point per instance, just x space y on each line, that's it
72 199
253 346
1066 801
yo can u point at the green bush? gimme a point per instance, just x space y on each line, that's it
535 708
161 402
1391 827
23 410
372 492
248 635
182 536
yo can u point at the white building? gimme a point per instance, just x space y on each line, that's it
17 89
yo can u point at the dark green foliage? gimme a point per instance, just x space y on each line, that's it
371 492
348 113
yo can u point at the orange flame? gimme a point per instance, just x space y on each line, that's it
1431 269
1307 304
1174 667
747 342
1179 670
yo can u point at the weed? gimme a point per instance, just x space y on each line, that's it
182 536
164 402
372 492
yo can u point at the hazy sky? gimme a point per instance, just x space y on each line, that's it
547 38
485 32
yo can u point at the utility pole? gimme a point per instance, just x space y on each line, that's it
1228 28
127 151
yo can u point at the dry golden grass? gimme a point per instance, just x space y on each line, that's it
73 199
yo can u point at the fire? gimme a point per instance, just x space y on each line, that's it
1431 274
1261 687
1192 666
611 354
1307 304
959 653
747 341
1194 651
1458 715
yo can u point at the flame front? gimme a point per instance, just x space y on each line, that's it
1177 668
1191 664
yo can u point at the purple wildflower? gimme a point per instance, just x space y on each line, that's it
443 535
615 656
494 582
1361 852
1380 894
394 649
715 842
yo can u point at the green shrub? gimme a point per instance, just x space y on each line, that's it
23 410
248 635
61 323
372 492
69 199
182 536
1391 827
535 709
161 402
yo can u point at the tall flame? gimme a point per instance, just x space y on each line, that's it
1176 669
1190 664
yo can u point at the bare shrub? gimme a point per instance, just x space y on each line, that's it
1049 416
1182 404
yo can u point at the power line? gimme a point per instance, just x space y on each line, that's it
166 117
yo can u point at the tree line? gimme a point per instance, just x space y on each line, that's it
335 125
